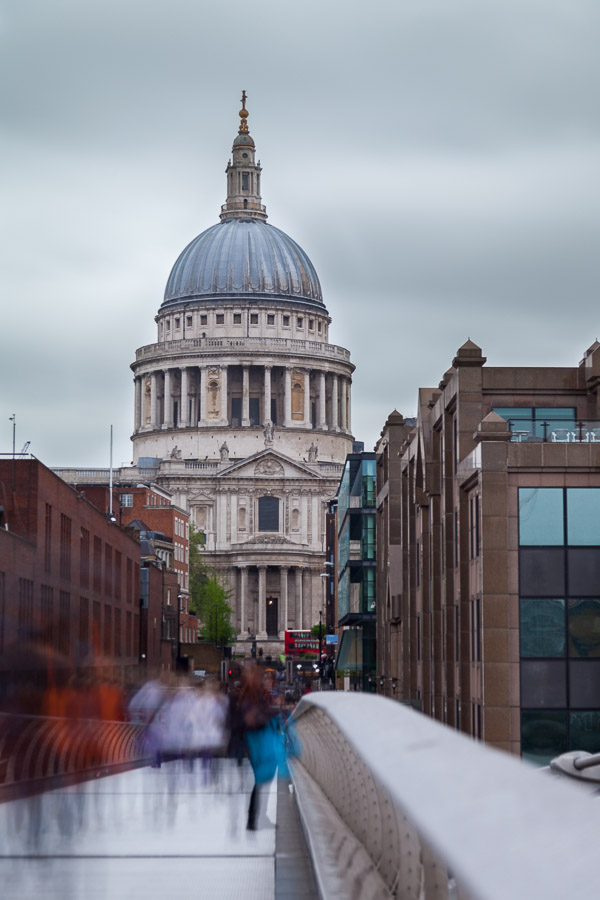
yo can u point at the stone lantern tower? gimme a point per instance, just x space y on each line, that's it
242 406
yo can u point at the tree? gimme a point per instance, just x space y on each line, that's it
208 597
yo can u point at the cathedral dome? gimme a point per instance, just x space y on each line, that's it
244 259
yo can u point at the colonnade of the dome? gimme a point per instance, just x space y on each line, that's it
242 395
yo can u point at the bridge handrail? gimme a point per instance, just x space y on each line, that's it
394 776
34 748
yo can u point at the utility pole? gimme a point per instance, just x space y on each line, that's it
13 419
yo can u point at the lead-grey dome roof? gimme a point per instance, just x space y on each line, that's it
243 258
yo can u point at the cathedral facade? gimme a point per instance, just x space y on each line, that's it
242 406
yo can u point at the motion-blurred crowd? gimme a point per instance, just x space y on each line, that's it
84 725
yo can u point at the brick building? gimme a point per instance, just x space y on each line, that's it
490 552
68 576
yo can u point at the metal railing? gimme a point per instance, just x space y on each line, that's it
395 804
555 431
36 750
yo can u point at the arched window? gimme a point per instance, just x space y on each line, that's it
268 514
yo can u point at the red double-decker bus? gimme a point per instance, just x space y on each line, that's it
299 643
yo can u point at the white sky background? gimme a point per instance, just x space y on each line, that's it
438 160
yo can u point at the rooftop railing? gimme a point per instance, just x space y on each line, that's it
395 804
582 431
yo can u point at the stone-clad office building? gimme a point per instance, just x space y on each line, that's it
242 406
489 549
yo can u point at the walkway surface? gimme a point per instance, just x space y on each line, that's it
155 833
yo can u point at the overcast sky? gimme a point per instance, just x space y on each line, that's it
438 160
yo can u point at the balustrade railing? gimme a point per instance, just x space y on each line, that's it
397 805
175 348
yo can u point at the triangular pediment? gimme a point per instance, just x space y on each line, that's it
268 464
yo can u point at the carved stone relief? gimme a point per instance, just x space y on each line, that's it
269 467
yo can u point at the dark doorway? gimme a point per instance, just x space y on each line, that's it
272 617
254 411
175 414
274 410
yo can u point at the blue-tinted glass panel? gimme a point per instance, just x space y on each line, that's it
584 684
542 628
583 516
585 731
543 735
562 413
543 684
522 413
541 516
542 572
584 627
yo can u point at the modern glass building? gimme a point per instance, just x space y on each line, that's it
356 521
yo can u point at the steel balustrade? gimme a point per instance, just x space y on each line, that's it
397 805
36 749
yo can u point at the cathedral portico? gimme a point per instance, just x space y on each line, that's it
242 406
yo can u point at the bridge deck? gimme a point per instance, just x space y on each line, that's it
154 833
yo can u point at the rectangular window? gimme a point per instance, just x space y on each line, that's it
107 643
254 318
237 318
270 319
583 516
48 540
177 323
245 181
117 615
300 322
117 575
188 321
84 559
541 518
319 327
96 625
220 318
542 627
286 321
65 547
84 625
168 324
47 613
311 324
25 608
64 622
2 608
204 320
268 514
477 526
108 570
97 564
126 500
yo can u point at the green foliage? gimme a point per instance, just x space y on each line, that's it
208 597
319 629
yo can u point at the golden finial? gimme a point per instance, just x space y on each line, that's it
244 115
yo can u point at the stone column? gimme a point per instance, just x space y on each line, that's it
168 402
343 404
335 425
153 400
322 416
299 615
283 601
137 415
184 401
287 398
202 380
224 397
349 395
267 396
243 601
262 603
245 396
307 416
